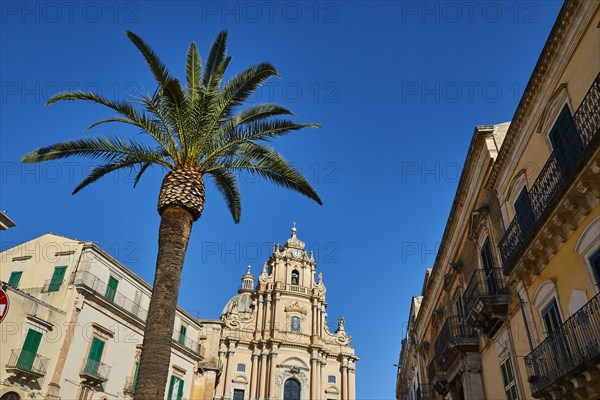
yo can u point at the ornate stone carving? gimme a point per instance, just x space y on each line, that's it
296 307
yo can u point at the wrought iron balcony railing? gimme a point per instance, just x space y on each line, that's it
455 335
94 371
581 138
486 298
93 283
27 363
566 350
187 342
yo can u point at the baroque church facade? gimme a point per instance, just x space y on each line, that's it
273 341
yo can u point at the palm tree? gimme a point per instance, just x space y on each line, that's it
197 132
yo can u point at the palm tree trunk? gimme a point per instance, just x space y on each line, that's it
174 234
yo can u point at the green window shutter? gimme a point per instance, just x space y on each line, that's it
57 278
135 375
182 332
180 389
29 350
14 278
171 383
111 289
175 388
95 355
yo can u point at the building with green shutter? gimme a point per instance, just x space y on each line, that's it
75 325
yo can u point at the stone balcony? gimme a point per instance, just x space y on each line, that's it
486 300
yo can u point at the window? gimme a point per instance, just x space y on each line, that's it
295 277
524 213
565 140
241 367
594 262
558 346
182 331
295 325
508 377
487 261
551 317
29 350
175 388
331 379
57 278
111 289
238 394
14 278
95 356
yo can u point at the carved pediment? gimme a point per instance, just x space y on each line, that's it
296 307
477 220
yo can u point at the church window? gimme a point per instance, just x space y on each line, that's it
295 325
331 379
295 277
241 367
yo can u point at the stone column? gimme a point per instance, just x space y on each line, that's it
348 382
273 373
471 378
223 360
343 387
253 375
267 322
315 326
259 316
274 326
319 378
228 369
263 376
352 382
313 375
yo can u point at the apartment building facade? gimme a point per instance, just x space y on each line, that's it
511 309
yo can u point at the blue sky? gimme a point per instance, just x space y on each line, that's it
397 86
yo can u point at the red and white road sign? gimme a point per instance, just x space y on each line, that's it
3 304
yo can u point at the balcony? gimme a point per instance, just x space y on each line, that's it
437 378
26 364
94 372
91 282
486 299
454 339
129 388
581 140
567 359
187 342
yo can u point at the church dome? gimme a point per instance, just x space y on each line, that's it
239 304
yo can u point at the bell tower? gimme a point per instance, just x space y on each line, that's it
291 264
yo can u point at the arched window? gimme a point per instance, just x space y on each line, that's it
295 277
12 396
295 325
291 390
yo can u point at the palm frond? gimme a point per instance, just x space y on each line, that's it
215 58
106 149
268 164
102 170
226 184
193 69
126 109
159 70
